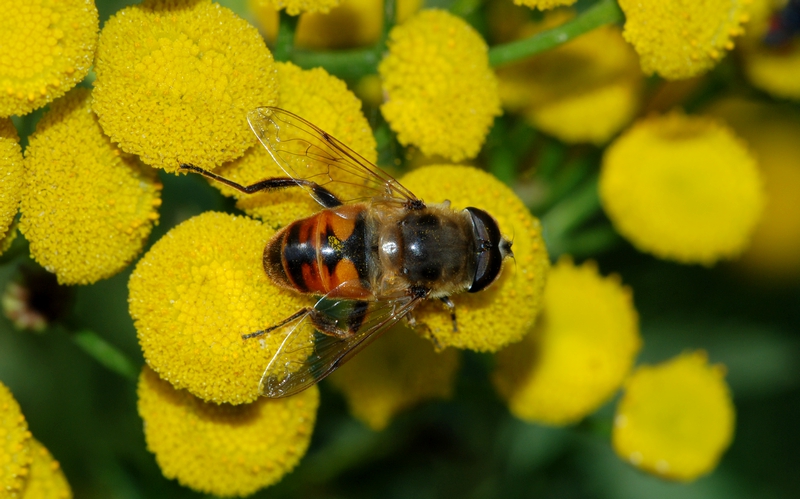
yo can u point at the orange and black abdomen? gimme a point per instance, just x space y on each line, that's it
326 253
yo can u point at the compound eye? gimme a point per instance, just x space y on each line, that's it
488 258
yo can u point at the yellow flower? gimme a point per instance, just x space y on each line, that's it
195 293
675 419
224 450
504 312
773 132
47 48
682 38
683 188
396 372
10 175
295 7
86 209
586 90
15 445
47 480
441 94
175 80
579 353
773 69
353 23
323 100
544 4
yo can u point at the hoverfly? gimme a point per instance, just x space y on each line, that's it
372 260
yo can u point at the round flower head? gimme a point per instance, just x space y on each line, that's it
682 38
675 419
47 48
224 450
15 445
773 132
295 7
544 4
396 372
683 188
325 101
195 293
441 93
506 310
175 80
47 480
579 352
10 175
586 101
353 23
774 68
86 209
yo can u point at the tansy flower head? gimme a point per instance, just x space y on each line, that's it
683 188
10 175
195 293
323 100
579 352
441 94
47 480
773 68
15 445
682 38
47 48
544 4
224 450
583 91
506 310
175 80
773 132
675 419
353 23
295 7
398 371
86 209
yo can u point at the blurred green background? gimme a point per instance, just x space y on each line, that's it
467 447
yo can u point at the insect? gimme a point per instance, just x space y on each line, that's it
371 259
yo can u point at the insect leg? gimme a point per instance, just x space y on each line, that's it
282 323
325 197
452 307
353 320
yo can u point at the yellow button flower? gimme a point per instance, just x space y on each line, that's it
15 445
676 418
504 312
775 69
353 23
586 90
682 188
441 94
86 209
682 38
195 293
224 450
10 175
396 372
295 7
175 80
323 100
544 4
773 132
47 48
47 480
579 353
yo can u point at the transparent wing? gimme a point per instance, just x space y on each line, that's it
306 356
305 152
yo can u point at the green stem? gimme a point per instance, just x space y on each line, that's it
601 13
106 354
569 214
284 43
591 241
349 64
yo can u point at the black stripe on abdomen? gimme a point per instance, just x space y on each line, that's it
297 253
